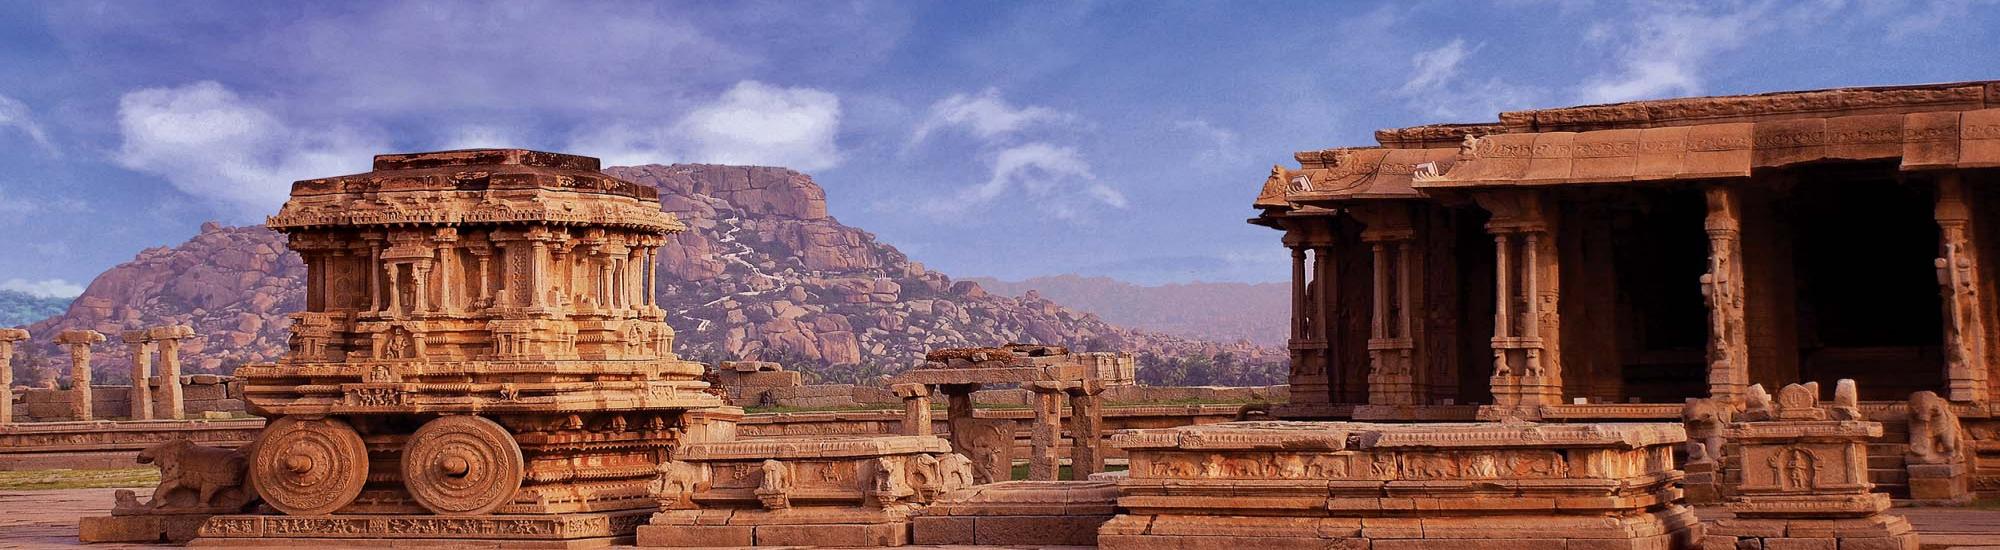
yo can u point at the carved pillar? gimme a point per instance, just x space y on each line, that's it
1728 340
1392 344
420 275
78 342
1958 279
447 269
170 373
537 268
958 413
375 269
1086 429
394 289
142 373
1313 376
916 408
652 275
1043 465
1527 363
483 256
8 336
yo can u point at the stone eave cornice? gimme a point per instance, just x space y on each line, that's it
1957 96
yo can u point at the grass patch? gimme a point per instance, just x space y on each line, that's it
1021 471
29 480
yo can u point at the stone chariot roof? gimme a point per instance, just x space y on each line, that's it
474 186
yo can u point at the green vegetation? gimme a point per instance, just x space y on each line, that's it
1021 471
1222 369
30 480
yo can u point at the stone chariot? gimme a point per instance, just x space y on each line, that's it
479 338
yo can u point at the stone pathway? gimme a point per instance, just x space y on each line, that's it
47 519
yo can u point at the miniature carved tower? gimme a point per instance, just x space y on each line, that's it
479 338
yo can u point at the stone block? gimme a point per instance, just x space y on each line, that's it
931 530
837 535
1078 530
1796 543
684 536
165 528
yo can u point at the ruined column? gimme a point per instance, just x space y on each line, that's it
1043 465
8 336
1086 429
1958 279
169 337
916 408
78 342
142 373
1728 347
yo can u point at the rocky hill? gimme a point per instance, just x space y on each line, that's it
1222 312
763 272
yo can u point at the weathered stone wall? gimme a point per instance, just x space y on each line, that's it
202 393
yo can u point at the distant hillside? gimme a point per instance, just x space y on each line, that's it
20 308
1217 312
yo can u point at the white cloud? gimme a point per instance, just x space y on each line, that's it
1218 145
1434 68
1437 89
212 144
16 209
481 136
752 123
986 116
15 114
1057 179
1666 49
45 288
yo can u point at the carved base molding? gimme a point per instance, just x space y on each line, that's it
586 530
1885 532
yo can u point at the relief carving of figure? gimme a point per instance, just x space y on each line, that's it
677 484
1794 468
775 490
1934 429
890 484
955 470
193 479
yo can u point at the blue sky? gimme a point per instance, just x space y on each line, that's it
1003 139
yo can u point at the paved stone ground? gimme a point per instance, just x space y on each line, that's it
47 519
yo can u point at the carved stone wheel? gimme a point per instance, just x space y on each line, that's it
309 467
462 465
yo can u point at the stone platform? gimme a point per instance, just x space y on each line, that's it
1018 513
1402 486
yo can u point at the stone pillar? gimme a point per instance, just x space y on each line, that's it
394 288
483 256
1393 358
8 336
79 342
1086 429
1722 286
169 337
420 275
1043 465
1527 329
916 408
958 413
1958 279
142 373
652 275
